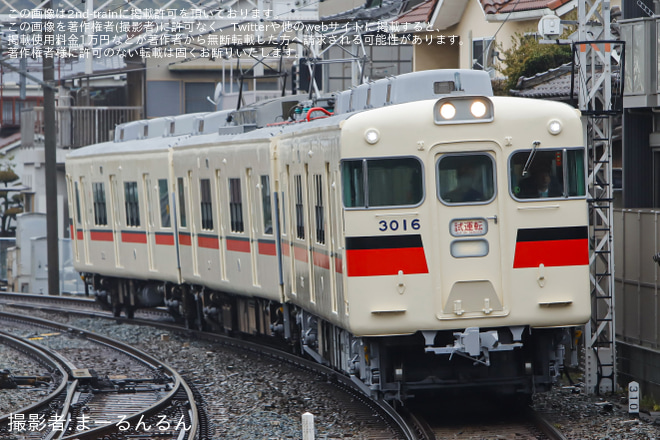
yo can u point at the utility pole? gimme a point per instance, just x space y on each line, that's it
50 153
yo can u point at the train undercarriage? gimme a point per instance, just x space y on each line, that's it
509 361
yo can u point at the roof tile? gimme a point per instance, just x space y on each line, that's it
419 14
507 6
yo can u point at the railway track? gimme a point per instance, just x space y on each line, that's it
148 396
408 425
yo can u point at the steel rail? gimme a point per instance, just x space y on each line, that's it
138 355
45 356
381 406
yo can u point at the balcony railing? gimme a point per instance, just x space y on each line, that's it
76 126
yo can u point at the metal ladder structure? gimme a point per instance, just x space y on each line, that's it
593 55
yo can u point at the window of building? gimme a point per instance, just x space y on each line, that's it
466 178
482 53
132 204
369 183
236 205
206 204
100 213
318 209
195 97
266 205
547 174
164 197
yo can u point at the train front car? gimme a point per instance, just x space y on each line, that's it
466 242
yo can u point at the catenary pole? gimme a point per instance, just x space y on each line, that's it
50 153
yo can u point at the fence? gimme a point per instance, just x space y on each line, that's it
76 126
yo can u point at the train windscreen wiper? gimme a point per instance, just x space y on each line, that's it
530 158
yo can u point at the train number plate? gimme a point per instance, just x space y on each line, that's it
475 226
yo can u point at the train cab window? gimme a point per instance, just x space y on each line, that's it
369 183
182 202
265 204
132 204
466 178
555 173
164 197
236 205
100 213
206 204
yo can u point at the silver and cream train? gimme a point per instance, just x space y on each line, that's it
416 233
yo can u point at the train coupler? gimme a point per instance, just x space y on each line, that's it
472 344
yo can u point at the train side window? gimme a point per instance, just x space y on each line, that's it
466 178
300 213
318 209
164 197
555 173
236 205
77 202
100 213
131 204
206 204
382 182
266 205
182 202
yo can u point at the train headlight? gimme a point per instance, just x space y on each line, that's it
554 127
447 111
372 136
478 109
463 110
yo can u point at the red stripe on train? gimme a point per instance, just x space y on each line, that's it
101 235
165 239
79 234
134 237
184 239
551 253
208 242
267 248
321 260
338 265
373 262
300 254
238 245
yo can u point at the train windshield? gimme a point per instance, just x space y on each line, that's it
466 178
550 174
369 183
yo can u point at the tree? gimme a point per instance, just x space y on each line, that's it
10 202
527 57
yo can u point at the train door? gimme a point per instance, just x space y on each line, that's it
75 215
221 228
470 276
328 232
115 222
307 189
254 249
193 226
146 184
83 220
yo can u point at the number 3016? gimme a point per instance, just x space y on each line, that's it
396 225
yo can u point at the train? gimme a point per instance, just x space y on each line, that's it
416 233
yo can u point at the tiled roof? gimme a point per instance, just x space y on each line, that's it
507 6
419 14
553 84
